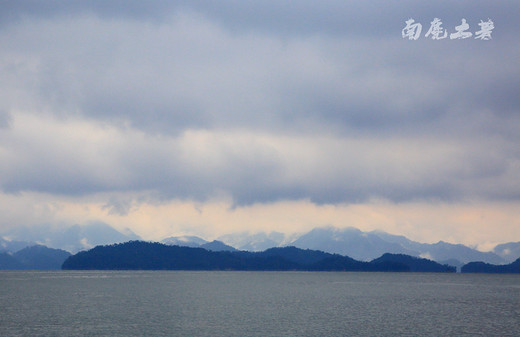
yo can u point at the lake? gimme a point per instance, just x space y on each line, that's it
186 303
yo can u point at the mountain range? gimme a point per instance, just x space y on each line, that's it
363 246
352 242
72 239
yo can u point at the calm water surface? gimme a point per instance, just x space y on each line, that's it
181 303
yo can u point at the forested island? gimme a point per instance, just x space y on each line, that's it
140 255
481 267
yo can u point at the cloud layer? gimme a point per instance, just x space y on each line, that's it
258 103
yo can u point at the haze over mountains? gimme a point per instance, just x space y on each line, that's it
359 245
71 239
363 246
46 247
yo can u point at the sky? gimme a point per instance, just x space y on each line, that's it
213 117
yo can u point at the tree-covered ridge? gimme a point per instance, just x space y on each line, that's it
416 264
481 267
139 255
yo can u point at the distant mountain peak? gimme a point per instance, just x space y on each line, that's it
184 240
509 251
254 242
369 245
73 238
35 257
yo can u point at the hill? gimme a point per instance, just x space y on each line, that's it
8 262
481 267
34 258
415 263
139 255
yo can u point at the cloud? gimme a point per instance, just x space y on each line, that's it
273 17
191 72
5 119
257 102
80 158
119 206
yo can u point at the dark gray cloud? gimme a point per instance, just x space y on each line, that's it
258 101
191 74
334 17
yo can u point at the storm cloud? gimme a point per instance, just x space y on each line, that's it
258 102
